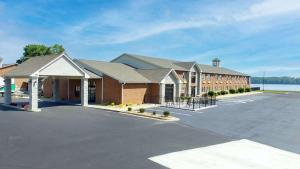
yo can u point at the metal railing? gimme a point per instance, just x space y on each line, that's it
192 103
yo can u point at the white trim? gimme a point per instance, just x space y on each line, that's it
36 73
174 73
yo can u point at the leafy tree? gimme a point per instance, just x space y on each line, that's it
34 50
211 93
56 49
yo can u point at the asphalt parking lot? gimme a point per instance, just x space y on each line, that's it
271 119
73 137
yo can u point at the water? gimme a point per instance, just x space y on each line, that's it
282 87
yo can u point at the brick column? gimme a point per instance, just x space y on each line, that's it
7 91
84 91
33 94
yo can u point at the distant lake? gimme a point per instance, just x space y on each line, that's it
282 87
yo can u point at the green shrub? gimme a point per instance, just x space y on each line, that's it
211 93
129 109
166 113
241 90
231 91
218 93
223 92
154 113
142 110
248 89
112 103
226 92
188 98
182 97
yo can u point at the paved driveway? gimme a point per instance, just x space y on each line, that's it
272 119
72 137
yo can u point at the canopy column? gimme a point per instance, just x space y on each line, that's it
84 91
33 94
7 91
161 93
55 89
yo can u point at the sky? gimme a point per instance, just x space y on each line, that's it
252 36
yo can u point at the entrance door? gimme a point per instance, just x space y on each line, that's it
169 92
92 91
193 91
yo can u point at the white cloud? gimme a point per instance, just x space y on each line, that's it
269 8
122 26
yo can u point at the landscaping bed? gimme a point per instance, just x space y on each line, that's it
166 116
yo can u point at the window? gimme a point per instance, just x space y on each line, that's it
208 77
77 91
193 77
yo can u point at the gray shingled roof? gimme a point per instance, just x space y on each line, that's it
154 75
184 66
162 63
219 70
30 66
117 71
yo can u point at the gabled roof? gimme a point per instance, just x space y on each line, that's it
186 65
155 75
4 66
31 65
219 70
118 71
159 62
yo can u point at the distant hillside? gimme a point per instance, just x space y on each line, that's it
275 80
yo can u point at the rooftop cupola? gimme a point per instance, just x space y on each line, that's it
216 62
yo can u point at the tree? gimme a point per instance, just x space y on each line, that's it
34 50
56 49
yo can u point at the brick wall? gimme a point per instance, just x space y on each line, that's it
20 83
223 82
111 90
134 93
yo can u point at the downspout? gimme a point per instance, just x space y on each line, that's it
122 90
102 90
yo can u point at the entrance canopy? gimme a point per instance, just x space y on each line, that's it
43 66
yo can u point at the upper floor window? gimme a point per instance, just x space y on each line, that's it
193 77
208 77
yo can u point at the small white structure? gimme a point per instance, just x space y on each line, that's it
54 66
240 154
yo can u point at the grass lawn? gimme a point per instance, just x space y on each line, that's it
274 91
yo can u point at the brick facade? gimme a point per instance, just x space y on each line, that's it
217 82
20 83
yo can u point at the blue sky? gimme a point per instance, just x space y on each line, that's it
249 36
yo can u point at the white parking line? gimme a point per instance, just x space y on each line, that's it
236 100
241 154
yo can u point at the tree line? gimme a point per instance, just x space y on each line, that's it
275 80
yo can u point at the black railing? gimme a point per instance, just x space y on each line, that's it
191 103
